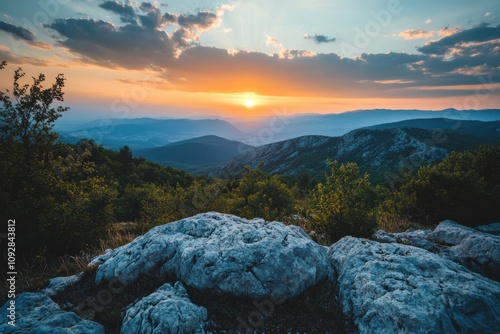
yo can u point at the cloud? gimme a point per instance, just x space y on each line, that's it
428 21
270 40
416 34
130 46
475 35
178 58
201 21
318 39
153 18
118 8
488 14
17 32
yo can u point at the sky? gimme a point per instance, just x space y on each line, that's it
253 58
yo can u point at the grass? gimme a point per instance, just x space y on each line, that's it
34 272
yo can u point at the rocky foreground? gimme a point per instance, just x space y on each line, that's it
423 281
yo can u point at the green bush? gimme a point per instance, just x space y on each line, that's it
346 203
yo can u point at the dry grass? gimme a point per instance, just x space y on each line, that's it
33 273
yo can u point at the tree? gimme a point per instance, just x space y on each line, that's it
261 195
28 118
346 203
54 194
464 187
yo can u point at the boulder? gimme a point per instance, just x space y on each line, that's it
168 310
59 284
417 238
394 288
478 251
223 254
37 313
490 228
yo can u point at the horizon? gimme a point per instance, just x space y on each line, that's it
247 60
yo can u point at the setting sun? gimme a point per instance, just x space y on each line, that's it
249 103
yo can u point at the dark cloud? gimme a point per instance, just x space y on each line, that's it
478 34
188 66
153 18
318 39
17 32
130 46
201 21
118 8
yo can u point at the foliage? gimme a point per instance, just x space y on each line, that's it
346 204
464 187
58 201
261 195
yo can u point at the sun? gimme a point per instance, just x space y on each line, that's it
249 103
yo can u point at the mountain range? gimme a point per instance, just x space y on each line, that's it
195 155
389 149
142 133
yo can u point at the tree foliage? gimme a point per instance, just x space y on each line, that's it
346 203
464 187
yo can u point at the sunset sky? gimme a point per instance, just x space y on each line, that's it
249 58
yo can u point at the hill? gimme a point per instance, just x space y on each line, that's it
380 152
149 132
342 123
197 154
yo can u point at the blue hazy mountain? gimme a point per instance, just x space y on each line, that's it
195 155
149 132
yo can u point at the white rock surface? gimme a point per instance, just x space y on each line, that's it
168 310
223 254
59 284
476 250
38 314
393 288
417 238
490 228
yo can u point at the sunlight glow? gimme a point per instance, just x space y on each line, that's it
249 103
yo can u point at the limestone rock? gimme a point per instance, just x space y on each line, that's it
478 251
168 310
394 288
223 254
35 313
59 284
490 228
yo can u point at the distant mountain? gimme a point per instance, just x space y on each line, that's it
377 151
149 132
475 128
287 127
195 155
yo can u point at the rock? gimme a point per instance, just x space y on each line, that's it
417 238
37 313
393 288
223 254
168 310
59 284
478 251
491 228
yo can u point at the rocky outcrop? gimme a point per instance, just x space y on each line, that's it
476 250
417 238
223 254
59 284
37 313
410 282
394 288
491 228
167 311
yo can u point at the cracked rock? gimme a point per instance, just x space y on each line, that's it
394 288
168 310
223 254
35 313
